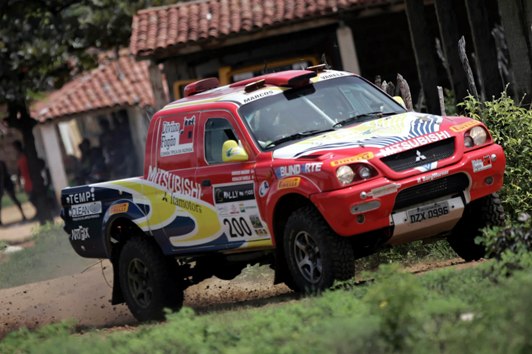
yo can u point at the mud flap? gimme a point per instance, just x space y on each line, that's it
117 297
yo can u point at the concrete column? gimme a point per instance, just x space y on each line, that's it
138 122
54 158
348 53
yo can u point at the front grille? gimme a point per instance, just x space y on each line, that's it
431 190
421 156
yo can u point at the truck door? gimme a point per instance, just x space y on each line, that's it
229 186
170 181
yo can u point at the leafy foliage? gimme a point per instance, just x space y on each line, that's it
515 238
511 126
445 311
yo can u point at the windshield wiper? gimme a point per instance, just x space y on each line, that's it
363 115
296 136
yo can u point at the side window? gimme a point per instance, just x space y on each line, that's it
217 131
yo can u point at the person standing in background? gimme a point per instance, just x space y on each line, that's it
24 172
6 185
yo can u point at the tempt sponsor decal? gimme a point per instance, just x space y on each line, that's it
85 211
414 143
81 197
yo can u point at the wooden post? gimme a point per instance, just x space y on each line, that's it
513 18
422 43
467 67
405 92
450 36
484 47
156 81
442 100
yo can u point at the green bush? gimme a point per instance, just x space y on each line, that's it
515 237
444 311
511 127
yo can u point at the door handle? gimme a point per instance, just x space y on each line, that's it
206 183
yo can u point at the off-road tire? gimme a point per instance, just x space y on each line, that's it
486 211
308 236
148 280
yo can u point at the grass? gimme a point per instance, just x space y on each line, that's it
474 310
50 257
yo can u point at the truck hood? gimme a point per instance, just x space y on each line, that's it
378 134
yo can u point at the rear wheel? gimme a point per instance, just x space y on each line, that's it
148 280
487 211
315 255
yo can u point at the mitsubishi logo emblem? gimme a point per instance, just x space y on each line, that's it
420 156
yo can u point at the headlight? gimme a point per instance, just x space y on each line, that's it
345 175
476 136
364 172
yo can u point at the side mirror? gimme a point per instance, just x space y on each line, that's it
232 152
400 100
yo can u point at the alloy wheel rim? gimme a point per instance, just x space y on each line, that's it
139 282
307 257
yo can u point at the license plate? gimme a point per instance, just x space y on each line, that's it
427 212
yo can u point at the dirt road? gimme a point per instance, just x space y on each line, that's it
85 297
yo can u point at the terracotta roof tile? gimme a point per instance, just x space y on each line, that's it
115 83
181 24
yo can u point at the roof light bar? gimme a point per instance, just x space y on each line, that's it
201 86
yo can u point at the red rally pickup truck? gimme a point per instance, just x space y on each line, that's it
305 170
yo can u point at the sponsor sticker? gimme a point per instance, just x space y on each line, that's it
118 208
80 234
291 182
481 164
176 138
464 126
297 169
360 157
85 210
174 183
432 177
81 197
414 143
234 193
263 188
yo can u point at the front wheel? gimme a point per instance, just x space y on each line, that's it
315 255
486 211
148 280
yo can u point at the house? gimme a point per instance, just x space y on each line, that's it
117 97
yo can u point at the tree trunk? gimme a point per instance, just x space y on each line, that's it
450 36
422 43
484 47
514 21
19 118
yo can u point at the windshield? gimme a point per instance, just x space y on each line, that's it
298 113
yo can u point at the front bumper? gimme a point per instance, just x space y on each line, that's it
370 206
